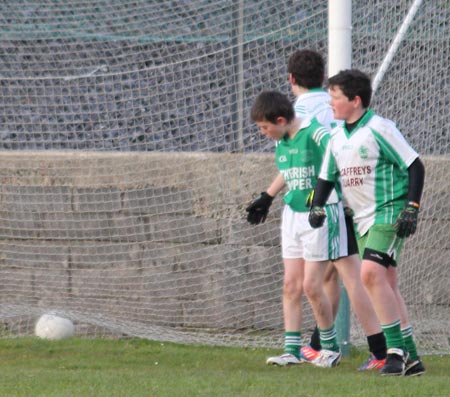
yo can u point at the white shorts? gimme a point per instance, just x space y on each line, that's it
300 240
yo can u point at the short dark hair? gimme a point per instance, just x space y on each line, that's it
269 105
307 68
352 83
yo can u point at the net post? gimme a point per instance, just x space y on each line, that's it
395 45
339 58
343 323
339 35
238 62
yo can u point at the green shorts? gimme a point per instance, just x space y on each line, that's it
381 244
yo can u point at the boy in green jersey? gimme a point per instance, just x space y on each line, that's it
306 73
382 180
300 148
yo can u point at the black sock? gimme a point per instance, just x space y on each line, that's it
315 339
377 345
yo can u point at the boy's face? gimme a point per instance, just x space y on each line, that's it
274 131
343 108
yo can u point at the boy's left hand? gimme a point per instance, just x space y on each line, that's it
406 224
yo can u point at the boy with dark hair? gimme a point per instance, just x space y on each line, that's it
382 180
306 70
306 252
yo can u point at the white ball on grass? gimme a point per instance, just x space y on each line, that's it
50 326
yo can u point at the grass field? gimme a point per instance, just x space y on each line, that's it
135 368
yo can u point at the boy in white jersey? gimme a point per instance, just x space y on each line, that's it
301 146
382 180
306 70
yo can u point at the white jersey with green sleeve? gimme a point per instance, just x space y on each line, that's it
316 103
299 160
372 162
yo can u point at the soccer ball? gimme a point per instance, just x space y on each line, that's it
50 326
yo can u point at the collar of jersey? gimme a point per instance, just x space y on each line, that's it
364 120
312 92
317 89
305 123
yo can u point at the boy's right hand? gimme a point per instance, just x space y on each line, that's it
316 217
259 208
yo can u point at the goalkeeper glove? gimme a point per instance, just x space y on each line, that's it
316 217
348 212
259 208
407 220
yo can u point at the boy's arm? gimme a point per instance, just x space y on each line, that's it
276 186
324 186
416 172
406 224
259 208
322 192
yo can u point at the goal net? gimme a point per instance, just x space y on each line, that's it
128 157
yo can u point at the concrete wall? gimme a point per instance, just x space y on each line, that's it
174 225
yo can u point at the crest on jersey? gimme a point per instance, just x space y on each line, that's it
363 152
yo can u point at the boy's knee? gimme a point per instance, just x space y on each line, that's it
371 274
292 289
366 277
311 289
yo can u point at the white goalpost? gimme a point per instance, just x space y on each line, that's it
340 58
127 159
339 36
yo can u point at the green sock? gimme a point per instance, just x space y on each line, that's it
328 339
409 342
292 343
393 334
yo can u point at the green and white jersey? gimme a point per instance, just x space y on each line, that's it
299 160
316 103
372 162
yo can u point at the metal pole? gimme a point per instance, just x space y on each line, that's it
339 35
395 44
238 61
340 58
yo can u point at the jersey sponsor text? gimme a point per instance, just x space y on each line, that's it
348 171
349 182
298 172
350 175
299 178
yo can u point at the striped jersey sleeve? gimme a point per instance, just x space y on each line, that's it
392 143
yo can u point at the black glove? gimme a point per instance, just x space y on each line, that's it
316 217
259 208
406 224
348 212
